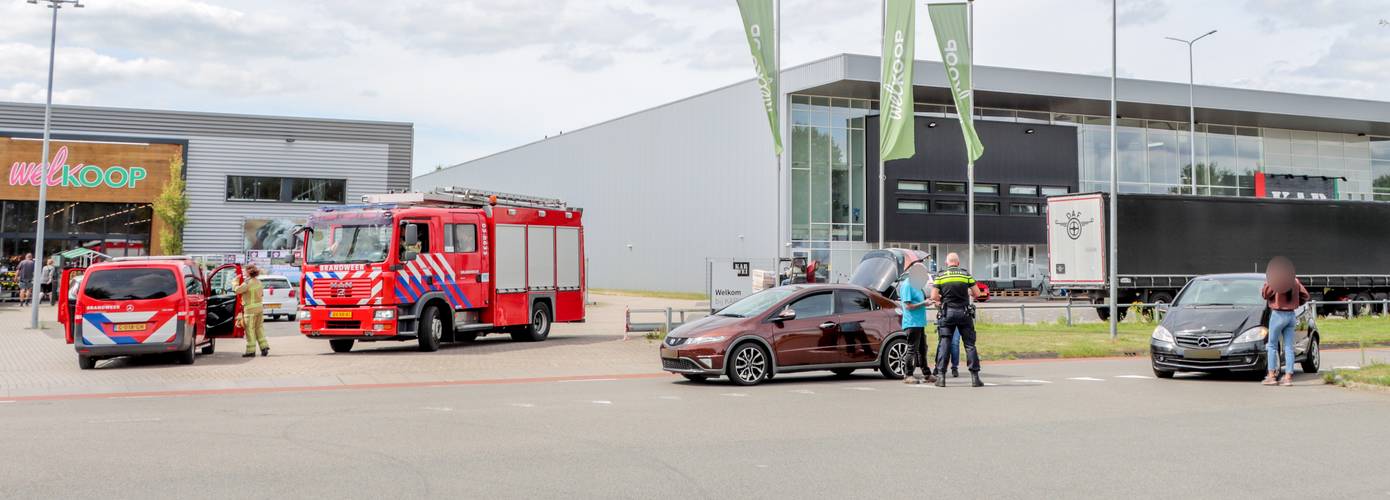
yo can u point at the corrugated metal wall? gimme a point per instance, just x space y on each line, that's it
215 225
373 156
680 183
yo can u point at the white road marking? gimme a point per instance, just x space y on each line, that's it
10 401
1033 381
923 386
669 398
1142 377
735 394
602 402
587 380
1346 368
860 389
125 420
523 405
761 466
803 391
436 408
990 384
1087 379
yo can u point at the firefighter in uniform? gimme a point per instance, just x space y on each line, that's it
955 291
252 316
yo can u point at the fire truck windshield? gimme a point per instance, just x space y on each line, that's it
348 244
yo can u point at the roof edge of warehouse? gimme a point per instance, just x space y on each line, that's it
206 113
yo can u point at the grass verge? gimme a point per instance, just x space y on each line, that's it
1375 374
650 294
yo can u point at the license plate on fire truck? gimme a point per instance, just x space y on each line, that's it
340 314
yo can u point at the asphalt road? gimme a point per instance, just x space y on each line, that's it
1090 428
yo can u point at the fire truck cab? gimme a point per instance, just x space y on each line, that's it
446 265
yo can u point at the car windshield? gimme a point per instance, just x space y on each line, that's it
349 244
131 284
755 304
1221 292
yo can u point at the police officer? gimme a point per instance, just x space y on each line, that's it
913 302
954 290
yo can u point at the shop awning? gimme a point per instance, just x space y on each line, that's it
80 252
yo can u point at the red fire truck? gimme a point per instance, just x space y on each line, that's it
450 264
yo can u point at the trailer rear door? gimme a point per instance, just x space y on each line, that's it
1076 239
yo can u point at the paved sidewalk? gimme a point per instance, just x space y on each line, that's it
34 363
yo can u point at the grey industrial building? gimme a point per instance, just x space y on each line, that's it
668 188
247 176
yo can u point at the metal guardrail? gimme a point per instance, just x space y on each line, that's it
667 318
670 318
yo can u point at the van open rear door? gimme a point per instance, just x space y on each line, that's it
67 300
224 305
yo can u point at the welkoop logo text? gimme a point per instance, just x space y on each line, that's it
896 85
764 79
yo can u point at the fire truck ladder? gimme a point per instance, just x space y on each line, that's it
456 196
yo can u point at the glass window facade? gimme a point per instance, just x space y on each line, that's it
827 168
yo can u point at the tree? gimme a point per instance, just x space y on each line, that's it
171 206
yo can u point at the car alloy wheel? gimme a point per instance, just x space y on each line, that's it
750 365
897 358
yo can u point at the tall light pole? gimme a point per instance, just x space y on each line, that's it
35 296
1114 172
1191 106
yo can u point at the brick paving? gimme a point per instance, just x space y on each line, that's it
38 363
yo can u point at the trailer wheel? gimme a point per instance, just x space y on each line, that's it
430 330
341 345
540 325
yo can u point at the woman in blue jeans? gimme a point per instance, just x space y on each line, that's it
1283 295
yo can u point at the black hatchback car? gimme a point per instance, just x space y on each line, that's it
1219 323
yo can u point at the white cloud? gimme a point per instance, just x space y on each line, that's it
29 92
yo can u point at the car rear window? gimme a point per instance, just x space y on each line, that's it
131 284
275 283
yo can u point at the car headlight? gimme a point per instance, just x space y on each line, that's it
1255 334
303 315
703 340
1162 334
380 314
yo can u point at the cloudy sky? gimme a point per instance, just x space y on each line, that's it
479 76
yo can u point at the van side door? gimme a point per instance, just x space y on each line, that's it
466 275
223 305
67 305
196 309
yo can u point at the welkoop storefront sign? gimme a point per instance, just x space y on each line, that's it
80 175
86 171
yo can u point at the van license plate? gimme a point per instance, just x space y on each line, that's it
130 327
1202 354
340 314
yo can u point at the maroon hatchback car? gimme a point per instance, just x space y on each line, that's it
795 328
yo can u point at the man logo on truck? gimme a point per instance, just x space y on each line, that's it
1074 224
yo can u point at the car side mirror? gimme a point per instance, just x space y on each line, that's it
787 314
412 235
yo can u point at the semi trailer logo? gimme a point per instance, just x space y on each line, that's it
1074 224
76 176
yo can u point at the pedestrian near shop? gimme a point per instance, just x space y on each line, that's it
913 300
46 282
252 316
25 275
954 290
1283 295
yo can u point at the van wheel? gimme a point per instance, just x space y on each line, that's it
539 328
1313 360
340 345
186 357
210 348
86 362
430 329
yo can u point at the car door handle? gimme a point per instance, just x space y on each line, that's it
827 325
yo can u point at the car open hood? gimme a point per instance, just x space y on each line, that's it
705 325
1234 319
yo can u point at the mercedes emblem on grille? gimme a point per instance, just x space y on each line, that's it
1203 341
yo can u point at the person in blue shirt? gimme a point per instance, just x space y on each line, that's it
912 298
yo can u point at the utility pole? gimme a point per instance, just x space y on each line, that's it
35 297
1191 106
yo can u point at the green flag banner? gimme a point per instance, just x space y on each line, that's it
949 22
758 25
895 138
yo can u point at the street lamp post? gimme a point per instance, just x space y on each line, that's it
1191 106
35 297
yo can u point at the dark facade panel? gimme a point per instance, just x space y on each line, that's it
1013 156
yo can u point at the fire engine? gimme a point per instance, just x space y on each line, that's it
449 264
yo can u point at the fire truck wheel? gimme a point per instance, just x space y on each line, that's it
431 329
341 345
210 348
539 328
